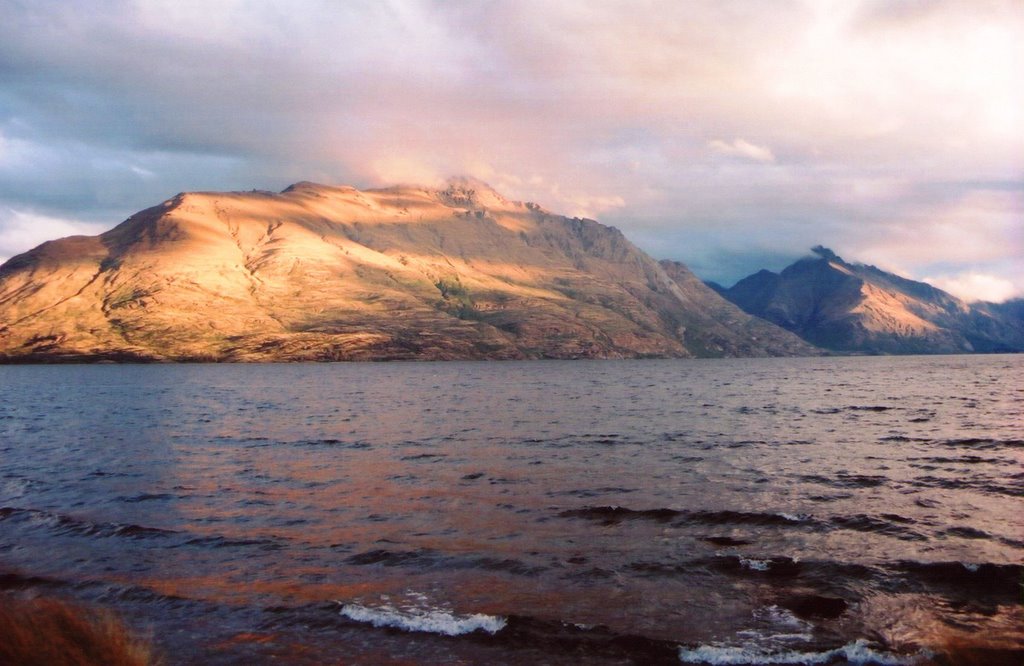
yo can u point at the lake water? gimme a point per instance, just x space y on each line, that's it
827 510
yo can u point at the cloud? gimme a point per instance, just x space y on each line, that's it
22 230
588 205
970 225
744 149
973 286
877 119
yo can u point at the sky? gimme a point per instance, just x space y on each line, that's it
732 135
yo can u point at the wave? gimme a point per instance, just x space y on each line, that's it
14 581
775 567
983 443
62 524
975 443
517 631
332 442
770 567
610 515
120 475
904 438
113 592
808 606
590 492
965 532
729 517
507 565
389 558
1004 577
726 541
587 641
429 620
65 524
844 480
429 558
857 652
963 460
93 589
225 542
887 524
146 497
415 614
977 482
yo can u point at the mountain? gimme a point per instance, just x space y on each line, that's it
713 325
335 273
852 307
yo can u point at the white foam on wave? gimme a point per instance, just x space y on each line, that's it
430 620
12 489
42 518
780 616
780 628
857 652
755 565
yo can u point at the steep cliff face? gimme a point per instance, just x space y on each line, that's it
856 308
713 326
334 273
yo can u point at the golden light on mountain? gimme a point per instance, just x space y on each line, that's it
335 273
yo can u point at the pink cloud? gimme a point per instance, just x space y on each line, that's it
743 149
598 108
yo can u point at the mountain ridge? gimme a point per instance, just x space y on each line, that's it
319 272
858 308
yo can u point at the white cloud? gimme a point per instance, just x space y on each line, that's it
973 226
590 205
742 148
974 286
23 230
142 172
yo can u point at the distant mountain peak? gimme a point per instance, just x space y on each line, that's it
855 307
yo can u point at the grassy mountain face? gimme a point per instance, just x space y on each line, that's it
713 326
856 308
334 273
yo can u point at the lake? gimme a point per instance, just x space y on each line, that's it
818 510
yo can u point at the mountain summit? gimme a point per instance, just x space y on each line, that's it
334 273
852 307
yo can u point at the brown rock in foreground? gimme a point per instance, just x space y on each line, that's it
334 273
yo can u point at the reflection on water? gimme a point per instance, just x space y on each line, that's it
621 512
